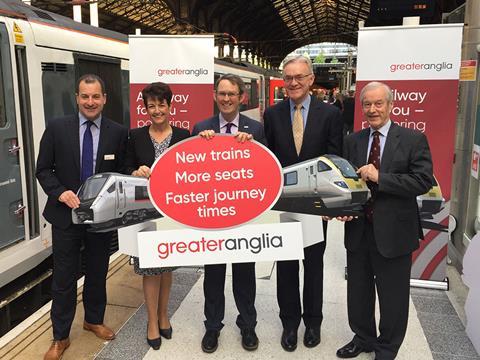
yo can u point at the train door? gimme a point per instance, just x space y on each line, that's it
11 200
121 198
312 178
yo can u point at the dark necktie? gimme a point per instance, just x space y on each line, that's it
87 153
373 158
228 128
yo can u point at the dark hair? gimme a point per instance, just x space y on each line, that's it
234 79
90 79
157 91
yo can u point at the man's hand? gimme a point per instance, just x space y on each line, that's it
68 197
346 218
142 171
207 134
368 173
243 136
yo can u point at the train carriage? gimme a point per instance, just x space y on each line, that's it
41 56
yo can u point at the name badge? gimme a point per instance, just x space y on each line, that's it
109 157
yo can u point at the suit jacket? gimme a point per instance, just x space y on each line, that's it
245 124
140 150
405 172
58 163
323 132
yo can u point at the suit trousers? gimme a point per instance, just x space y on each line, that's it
367 270
244 290
66 245
288 291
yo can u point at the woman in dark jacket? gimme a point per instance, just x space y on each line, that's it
144 146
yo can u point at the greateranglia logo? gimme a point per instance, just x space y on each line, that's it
177 71
420 66
255 245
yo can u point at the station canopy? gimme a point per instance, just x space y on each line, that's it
270 29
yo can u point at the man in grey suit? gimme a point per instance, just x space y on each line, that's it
229 95
397 165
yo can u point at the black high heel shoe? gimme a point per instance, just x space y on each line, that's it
154 343
166 333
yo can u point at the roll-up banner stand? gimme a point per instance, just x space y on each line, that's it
421 64
185 63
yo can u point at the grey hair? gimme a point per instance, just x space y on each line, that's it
375 85
299 58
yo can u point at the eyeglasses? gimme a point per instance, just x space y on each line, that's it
377 104
226 94
298 78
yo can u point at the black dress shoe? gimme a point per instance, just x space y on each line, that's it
210 341
289 340
249 339
311 337
351 350
166 333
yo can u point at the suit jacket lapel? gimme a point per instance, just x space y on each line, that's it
101 143
311 121
242 126
362 149
73 131
286 121
390 147
216 124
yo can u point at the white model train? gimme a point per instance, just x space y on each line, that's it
111 200
41 56
327 185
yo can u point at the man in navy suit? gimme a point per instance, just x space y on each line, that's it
397 165
298 129
73 148
229 94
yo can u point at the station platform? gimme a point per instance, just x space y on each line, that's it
435 330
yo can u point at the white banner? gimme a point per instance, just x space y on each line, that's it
425 52
248 243
185 63
173 59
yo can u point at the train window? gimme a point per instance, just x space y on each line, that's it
111 188
321 166
347 169
120 187
141 193
290 178
91 188
311 170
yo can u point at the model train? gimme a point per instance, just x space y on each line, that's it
326 185
111 200
42 56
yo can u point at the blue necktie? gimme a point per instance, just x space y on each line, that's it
87 152
229 128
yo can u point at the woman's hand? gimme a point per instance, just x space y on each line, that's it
142 171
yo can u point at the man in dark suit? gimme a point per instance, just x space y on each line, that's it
297 129
397 165
348 112
229 95
72 149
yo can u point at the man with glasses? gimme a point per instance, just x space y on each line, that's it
297 129
229 95
397 165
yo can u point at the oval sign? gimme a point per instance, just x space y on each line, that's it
215 184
